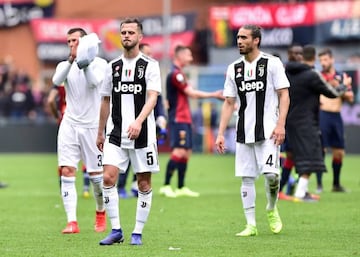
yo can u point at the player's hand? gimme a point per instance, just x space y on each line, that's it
219 95
134 130
100 142
220 144
72 54
278 135
347 81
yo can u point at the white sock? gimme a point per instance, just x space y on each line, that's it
142 210
248 197
302 187
272 185
69 197
111 201
97 182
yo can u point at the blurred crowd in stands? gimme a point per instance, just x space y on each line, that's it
19 98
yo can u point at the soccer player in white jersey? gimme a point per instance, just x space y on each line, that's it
257 81
78 129
132 84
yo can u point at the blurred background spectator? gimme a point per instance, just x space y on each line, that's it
19 98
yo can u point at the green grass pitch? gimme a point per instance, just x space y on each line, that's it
32 215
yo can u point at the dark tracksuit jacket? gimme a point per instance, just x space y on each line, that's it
302 124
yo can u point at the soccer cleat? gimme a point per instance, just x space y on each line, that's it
291 185
249 230
100 221
71 228
309 199
297 200
134 192
136 239
338 189
122 193
274 220
184 191
285 197
167 191
115 236
319 189
86 194
313 196
3 185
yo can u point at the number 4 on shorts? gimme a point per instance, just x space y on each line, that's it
269 160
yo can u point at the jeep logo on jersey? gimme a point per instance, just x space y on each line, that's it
128 88
248 86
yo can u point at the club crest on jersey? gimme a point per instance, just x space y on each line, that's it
261 70
141 71
180 78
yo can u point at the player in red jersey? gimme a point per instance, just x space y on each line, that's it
179 115
331 123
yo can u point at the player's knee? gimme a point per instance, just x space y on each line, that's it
67 171
144 187
109 179
272 178
180 153
338 154
144 181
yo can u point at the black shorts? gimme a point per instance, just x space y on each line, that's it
180 135
332 129
285 147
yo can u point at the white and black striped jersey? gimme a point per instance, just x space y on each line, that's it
127 82
254 85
